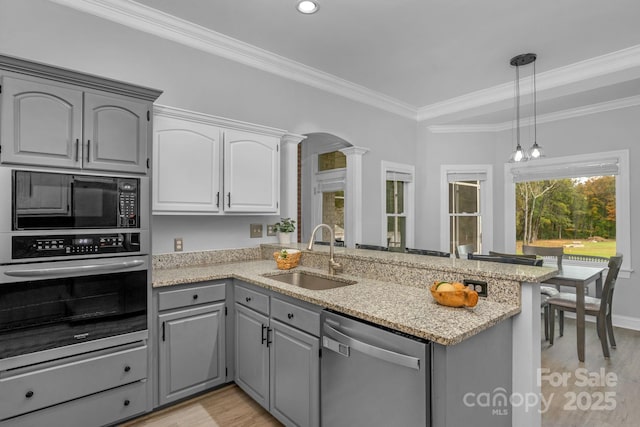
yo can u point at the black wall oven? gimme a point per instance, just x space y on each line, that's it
46 306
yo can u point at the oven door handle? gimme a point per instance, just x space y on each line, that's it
63 271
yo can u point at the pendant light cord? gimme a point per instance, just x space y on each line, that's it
535 102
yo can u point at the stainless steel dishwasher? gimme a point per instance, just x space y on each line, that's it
372 376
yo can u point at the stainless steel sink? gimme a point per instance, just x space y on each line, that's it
309 280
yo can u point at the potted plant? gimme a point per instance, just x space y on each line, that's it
285 228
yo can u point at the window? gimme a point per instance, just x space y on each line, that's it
466 196
398 199
578 214
580 202
330 182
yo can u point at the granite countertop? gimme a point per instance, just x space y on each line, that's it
408 309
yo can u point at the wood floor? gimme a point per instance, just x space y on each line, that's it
598 392
226 407
576 401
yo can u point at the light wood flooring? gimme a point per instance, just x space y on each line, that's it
230 407
619 376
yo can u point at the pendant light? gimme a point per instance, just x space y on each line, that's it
520 155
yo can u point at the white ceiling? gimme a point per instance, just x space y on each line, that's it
423 54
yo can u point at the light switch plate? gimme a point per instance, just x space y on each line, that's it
255 231
271 230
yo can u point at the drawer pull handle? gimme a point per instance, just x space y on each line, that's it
127 368
126 402
29 394
248 299
195 296
290 316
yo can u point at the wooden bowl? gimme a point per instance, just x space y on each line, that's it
459 296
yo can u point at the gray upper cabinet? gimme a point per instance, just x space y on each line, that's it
60 118
41 123
115 130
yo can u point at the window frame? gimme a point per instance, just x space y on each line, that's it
486 203
409 201
623 199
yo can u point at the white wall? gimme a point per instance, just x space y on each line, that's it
607 131
45 32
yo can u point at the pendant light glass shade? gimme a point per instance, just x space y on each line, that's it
535 152
519 155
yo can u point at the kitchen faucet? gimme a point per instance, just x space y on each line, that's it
333 265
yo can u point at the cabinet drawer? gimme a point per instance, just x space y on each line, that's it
31 389
296 316
93 411
252 299
191 296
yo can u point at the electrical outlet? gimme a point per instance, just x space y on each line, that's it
271 230
177 244
477 285
255 230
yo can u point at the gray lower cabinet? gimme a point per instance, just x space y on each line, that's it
85 390
277 355
294 376
252 354
191 341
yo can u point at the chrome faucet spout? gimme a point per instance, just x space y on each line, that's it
333 265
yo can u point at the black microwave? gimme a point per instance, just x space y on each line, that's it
47 200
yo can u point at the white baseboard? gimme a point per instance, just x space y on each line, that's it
626 322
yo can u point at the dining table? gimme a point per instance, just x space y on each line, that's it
579 277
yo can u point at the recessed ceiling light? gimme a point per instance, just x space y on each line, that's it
307 6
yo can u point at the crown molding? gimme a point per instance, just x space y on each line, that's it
598 67
632 101
197 117
153 21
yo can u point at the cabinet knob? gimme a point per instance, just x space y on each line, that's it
29 394
195 296
127 368
290 315
126 402
247 299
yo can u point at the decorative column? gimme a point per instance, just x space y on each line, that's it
289 175
353 195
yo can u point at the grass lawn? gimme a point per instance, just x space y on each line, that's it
605 248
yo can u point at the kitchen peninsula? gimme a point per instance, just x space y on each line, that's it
391 291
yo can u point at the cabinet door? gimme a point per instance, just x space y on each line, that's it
192 351
251 172
186 166
115 133
295 373
252 354
41 123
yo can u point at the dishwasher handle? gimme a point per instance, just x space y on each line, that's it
344 348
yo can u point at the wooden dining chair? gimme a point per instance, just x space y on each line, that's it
463 250
372 247
546 291
599 307
506 259
557 252
428 252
